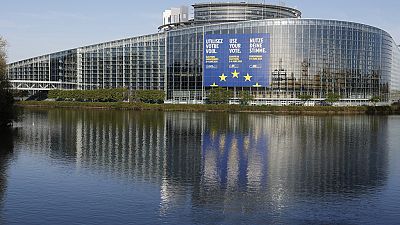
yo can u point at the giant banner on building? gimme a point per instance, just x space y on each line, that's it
236 60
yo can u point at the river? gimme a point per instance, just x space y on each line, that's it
64 166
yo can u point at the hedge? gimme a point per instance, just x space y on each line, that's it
98 95
149 96
108 95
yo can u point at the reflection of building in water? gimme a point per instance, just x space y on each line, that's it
234 153
219 159
273 158
50 132
183 157
6 151
123 144
149 145
328 155
163 148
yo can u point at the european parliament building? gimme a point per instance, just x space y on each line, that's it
268 50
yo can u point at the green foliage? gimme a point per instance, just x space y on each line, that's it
219 96
332 97
97 95
20 93
108 95
375 99
245 97
305 97
149 96
7 109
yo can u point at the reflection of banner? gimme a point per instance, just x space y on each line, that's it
236 60
234 159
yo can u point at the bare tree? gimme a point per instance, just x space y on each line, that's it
3 64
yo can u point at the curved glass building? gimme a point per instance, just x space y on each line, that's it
235 12
267 50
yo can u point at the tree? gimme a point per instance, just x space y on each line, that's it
219 96
332 98
305 98
7 108
245 97
375 99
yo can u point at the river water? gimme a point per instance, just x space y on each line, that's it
62 166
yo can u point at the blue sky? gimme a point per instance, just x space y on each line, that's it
37 27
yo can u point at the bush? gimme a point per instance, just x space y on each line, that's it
332 98
108 95
149 96
97 95
374 100
20 93
305 98
245 97
219 96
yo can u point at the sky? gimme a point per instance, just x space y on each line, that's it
37 27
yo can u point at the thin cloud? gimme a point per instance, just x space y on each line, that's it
52 15
8 24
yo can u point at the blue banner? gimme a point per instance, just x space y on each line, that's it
236 60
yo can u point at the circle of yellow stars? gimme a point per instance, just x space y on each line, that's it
235 74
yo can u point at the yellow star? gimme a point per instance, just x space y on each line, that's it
235 74
223 77
257 85
248 77
214 85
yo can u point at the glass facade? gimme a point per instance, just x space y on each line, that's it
134 63
395 78
307 56
233 12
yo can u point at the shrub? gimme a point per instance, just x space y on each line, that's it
97 95
245 97
305 98
149 96
332 97
20 93
375 99
219 96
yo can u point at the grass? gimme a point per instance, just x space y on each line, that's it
220 108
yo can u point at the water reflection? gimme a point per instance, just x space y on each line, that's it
231 162
265 163
6 152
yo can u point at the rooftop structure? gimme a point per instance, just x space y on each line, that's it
175 16
241 11
212 13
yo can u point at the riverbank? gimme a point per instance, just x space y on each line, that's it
383 110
